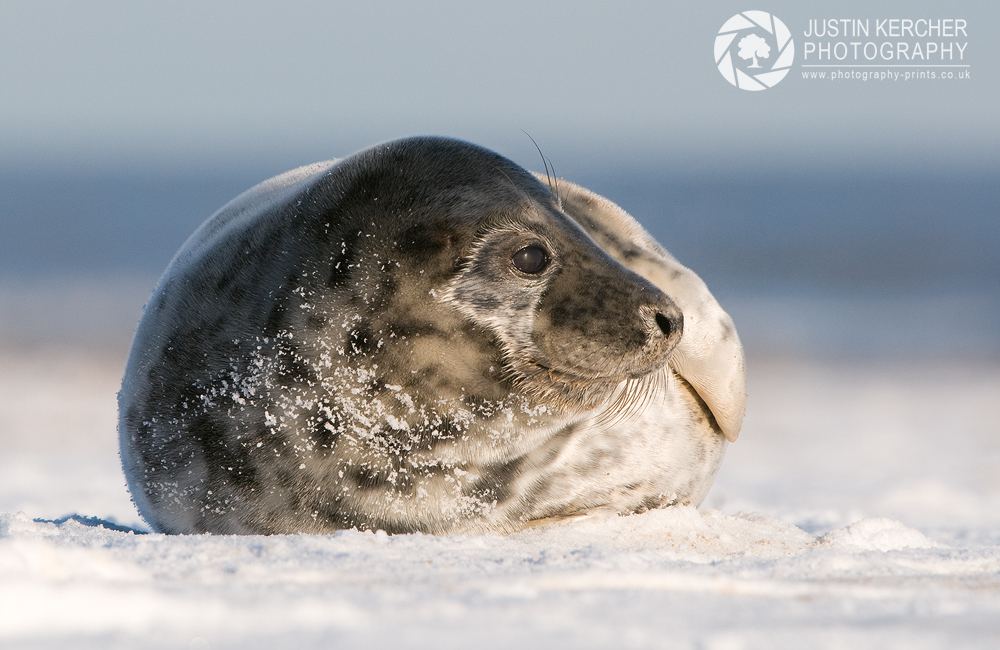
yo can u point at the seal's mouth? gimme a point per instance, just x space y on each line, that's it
570 377
581 390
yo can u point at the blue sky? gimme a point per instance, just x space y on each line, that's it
595 83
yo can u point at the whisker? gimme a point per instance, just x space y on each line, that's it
632 397
550 178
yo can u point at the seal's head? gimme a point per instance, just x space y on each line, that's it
572 322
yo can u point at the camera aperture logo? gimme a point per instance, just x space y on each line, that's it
754 50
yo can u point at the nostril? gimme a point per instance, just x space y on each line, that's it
665 325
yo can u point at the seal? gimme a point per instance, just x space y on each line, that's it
423 336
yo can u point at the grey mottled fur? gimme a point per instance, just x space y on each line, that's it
349 345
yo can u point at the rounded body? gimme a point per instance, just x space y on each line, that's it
423 337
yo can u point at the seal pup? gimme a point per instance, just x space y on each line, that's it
423 337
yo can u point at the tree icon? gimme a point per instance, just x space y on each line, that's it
753 46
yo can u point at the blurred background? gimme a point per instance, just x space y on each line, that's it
843 221
872 204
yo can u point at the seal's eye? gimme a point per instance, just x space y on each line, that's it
530 259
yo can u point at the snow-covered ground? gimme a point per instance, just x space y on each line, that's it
860 508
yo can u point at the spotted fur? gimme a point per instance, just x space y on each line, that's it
350 345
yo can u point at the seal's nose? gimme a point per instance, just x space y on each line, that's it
666 325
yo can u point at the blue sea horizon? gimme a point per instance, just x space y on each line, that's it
852 264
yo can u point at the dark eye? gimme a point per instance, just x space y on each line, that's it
530 259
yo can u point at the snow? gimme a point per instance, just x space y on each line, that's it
666 578
859 508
